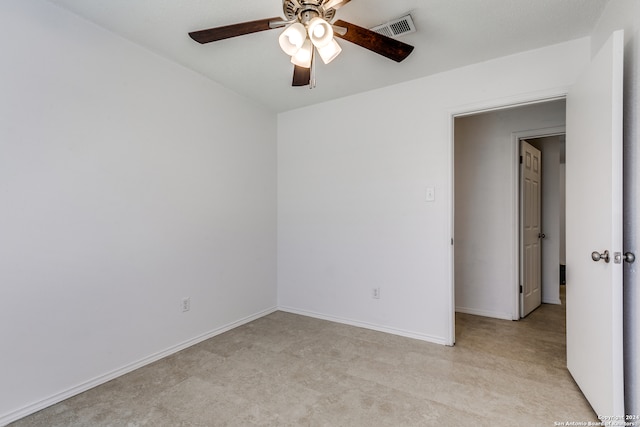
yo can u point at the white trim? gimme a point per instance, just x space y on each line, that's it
551 301
366 325
451 330
509 102
484 313
80 388
470 109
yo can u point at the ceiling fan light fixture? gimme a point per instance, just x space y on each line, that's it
302 58
320 32
329 52
292 39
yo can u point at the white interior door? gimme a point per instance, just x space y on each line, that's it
530 237
594 223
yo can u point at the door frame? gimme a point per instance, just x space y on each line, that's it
484 107
516 138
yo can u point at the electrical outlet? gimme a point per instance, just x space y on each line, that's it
375 293
186 304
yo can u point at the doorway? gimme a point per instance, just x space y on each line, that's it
486 199
552 213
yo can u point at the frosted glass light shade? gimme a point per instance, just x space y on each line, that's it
320 32
329 52
292 39
302 58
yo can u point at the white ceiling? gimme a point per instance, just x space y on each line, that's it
450 34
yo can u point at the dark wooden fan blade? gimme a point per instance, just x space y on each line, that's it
382 45
301 76
229 31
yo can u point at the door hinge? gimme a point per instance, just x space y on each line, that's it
520 159
520 288
452 241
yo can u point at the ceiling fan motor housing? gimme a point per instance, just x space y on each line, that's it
304 10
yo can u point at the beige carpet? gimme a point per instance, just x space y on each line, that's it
289 370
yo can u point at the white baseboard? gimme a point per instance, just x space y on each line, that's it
551 301
367 325
484 313
80 388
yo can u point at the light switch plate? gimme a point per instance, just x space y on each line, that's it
430 194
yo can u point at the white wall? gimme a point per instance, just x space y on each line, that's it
126 184
352 213
486 225
625 14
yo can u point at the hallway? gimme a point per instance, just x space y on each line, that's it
533 350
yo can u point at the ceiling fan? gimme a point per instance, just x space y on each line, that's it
311 30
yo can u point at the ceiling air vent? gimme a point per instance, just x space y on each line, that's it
397 27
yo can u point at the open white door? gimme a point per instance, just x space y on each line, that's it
594 224
531 234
